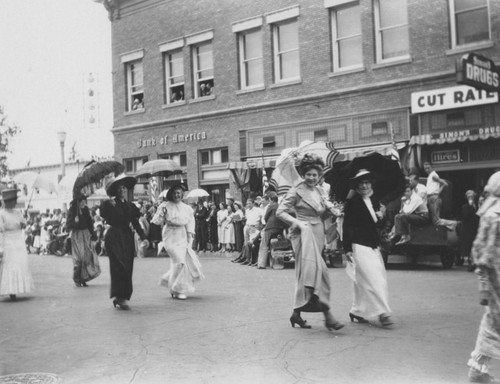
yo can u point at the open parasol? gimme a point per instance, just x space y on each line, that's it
34 180
197 193
388 176
159 167
94 172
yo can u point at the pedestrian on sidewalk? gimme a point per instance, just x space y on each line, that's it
119 239
468 229
486 255
177 219
85 261
15 274
362 219
307 234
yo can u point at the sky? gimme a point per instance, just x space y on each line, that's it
49 47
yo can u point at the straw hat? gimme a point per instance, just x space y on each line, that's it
111 184
362 174
9 194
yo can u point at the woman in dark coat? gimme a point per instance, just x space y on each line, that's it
362 221
213 237
79 222
119 239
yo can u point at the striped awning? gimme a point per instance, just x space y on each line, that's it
349 154
456 136
252 164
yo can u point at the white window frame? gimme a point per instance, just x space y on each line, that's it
167 57
453 25
378 36
196 79
277 54
132 91
336 40
243 60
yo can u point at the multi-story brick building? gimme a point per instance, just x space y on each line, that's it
219 84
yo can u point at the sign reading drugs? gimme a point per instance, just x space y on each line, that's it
460 96
478 72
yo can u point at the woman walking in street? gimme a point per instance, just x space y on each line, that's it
15 274
307 234
177 219
85 261
362 218
486 255
119 238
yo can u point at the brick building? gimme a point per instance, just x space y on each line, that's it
218 85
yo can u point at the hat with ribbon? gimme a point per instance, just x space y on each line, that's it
111 184
362 174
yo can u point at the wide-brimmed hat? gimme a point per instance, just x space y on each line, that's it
9 194
112 183
362 174
170 192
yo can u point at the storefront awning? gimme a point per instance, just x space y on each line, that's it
252 164
349 154
456 136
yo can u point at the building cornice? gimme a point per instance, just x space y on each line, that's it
313 98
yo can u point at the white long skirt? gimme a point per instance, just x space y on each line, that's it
371 294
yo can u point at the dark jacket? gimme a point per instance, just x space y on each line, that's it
359 227
272 222
84 218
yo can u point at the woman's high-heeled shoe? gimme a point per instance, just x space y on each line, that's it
385 320
120 304
335 325
359 319
296 319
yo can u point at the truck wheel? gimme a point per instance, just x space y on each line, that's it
447 258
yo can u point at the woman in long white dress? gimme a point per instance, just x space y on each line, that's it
15 274
177 219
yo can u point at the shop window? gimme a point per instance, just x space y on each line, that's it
269 142
380 128
214 156
174 76
469 22
286 51
179 158
455 119
250 59
133 164
347 50
321 135
203 70
135 85
391 30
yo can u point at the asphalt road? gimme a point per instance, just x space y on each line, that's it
235 328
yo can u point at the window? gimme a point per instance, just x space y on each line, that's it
174 76
346 37
380 128
321 135
132 165
203 70
286 51
135 85
391 25
470 21
269 142
455 119
214 156
179 158
250 59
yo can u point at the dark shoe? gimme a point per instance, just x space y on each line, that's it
385 320
120 304
13 297
335 325
84 285
296 319
359 319
261 267
476 376
236 260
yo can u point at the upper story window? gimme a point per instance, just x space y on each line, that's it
391 27
179 158
214 156
134 80
203 69
174 76
250 59
321 135
347 52
469 21
285 44
133 164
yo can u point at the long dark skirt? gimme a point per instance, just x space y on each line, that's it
239 237
120 247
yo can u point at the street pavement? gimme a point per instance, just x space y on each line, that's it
235 328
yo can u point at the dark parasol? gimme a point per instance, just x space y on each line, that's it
94 172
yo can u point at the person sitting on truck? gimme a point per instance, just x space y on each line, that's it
413 211
417 187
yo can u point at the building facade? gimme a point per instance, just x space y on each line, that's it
221 85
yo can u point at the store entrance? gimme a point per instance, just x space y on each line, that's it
217 193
